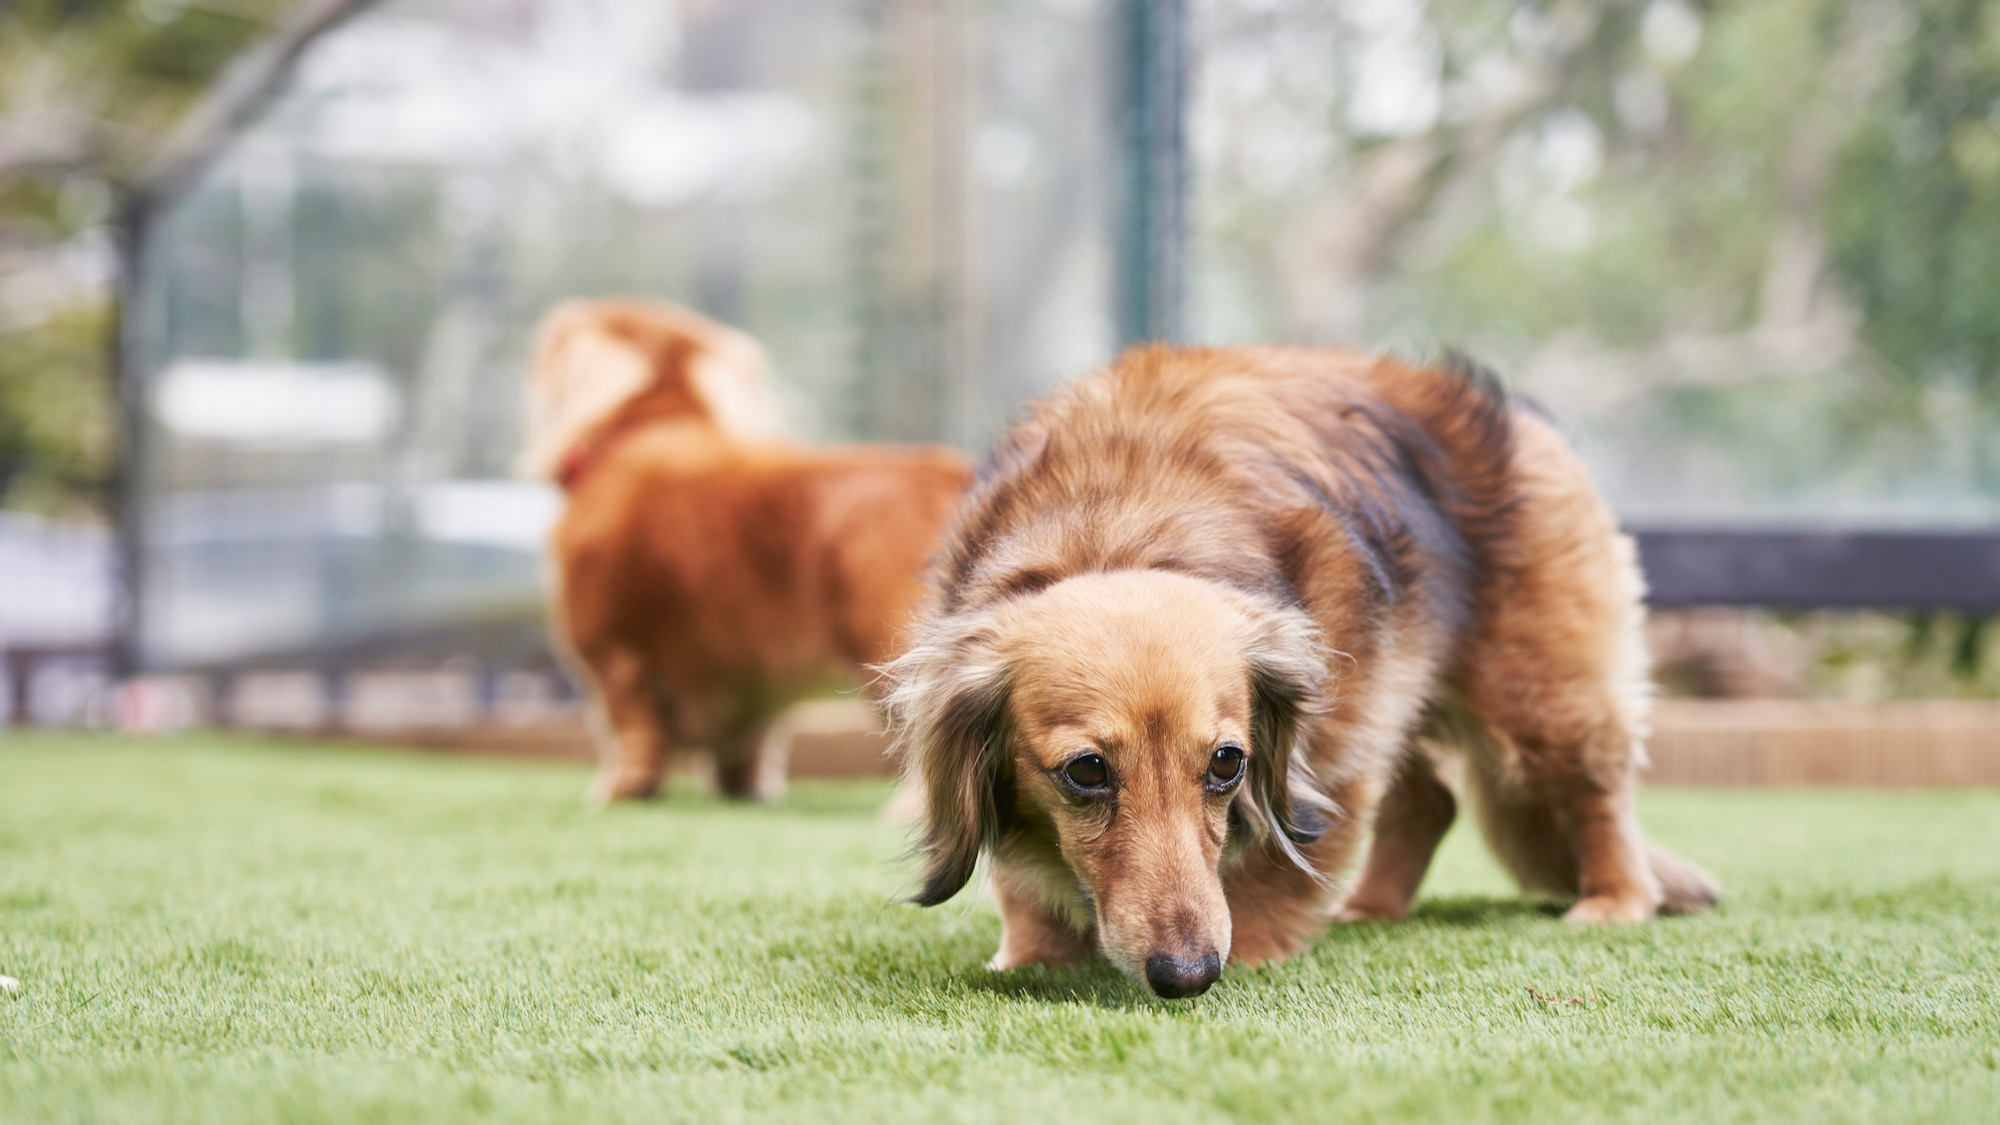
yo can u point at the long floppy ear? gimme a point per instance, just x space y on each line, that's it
592 358
582 373
732 378
1283 803
947 702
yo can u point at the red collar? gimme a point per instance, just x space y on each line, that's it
585 455
578 461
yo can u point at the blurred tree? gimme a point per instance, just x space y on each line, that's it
1915 214
1747 250
90 91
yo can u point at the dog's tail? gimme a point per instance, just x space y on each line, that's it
1466 454
593 359
1686 888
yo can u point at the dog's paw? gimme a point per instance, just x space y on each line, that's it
1369 912
1255 950
621 785
1008 959
1598 910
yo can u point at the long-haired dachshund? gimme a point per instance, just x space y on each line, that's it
1203 625
706 572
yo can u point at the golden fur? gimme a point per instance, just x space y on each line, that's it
1332 564
706 572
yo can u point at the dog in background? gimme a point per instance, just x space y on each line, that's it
707 572
1206 622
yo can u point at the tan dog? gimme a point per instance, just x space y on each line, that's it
1205 619
707 573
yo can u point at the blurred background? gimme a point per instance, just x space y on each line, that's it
268 271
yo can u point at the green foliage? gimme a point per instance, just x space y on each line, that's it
55 414
124 69
1748 251
1868 656
1915 214
216 931
88 90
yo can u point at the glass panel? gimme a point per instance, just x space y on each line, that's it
907 203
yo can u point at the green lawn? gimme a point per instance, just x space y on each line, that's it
226 931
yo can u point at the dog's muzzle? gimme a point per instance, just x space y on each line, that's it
1177 978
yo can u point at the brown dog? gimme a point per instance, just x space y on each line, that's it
707 573
1202 624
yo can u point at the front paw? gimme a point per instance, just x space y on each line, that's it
1006 958
1363 909
622 785
1599 910
1263 949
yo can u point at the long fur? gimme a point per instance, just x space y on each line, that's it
1335 547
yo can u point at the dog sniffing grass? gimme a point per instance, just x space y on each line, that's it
1206 622
209 930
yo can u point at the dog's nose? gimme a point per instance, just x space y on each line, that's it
1178 977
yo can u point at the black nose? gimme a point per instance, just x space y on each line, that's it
1179 977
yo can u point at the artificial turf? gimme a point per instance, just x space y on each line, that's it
212 930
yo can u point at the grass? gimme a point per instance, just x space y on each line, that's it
212 930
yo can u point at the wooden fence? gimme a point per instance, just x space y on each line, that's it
1785 742
1695 742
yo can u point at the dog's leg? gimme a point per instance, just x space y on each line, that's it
1273 909
1575 837
1520 829
632 743
750 763
1031 933
1554 778
1276 908
1409 822
1555 784
1557 675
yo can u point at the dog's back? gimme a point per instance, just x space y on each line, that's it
1216 462
752 564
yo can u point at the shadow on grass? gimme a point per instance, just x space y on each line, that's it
1098 984
1095 983
1482 910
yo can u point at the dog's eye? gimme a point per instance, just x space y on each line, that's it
1225 766
1087 772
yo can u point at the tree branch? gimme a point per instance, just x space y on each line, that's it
235 102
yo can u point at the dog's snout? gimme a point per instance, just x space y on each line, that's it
1179 977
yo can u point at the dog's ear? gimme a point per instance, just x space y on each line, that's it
593 358
581 375
731 378
1283 803
947 702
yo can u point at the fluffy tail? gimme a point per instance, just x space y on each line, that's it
1687 888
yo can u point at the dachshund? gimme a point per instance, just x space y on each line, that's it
1212 618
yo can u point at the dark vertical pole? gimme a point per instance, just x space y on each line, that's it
1152 226
19 665
870 168
952 78
716 60
128 500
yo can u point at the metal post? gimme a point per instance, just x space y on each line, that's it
871 210
235 101
128 502
1152 228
